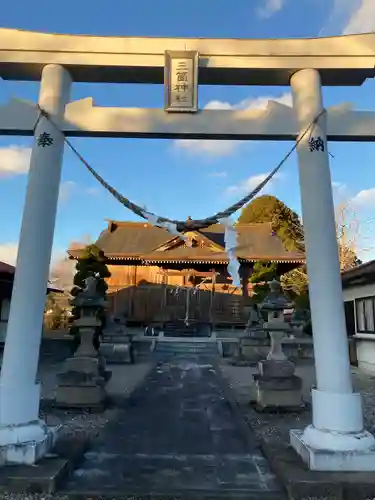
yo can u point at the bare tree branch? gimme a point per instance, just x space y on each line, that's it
62 269
349 238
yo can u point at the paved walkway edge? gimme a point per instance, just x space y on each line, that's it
231 398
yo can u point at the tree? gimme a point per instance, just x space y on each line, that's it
54 315
289 229
62 267
263 272
91 262
61 277
348 235
62 272
285 223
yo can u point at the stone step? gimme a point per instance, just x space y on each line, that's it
186 342
185 350
184 347
237 477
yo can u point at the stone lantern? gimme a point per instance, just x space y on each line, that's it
276 386
254 342
274 305
116 347
82 383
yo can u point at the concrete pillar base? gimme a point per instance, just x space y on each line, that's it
336 440
353 452
26 444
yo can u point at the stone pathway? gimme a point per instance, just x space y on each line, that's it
177 436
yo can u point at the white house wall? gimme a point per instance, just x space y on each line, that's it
358 292
365 342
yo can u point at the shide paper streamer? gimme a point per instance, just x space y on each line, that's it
230 238
171 227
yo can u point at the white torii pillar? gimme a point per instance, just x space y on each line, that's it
336 440
23 437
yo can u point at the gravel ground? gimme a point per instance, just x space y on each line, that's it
124 380
126 377
277 426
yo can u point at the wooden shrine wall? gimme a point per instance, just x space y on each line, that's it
144 295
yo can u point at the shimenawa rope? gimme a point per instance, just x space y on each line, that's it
187 225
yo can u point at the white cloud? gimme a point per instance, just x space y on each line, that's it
340 190
269 8
207 147
350 17
8 253
365 198
362 17
66 190
93 191
215 148
338 185
14 160
250 183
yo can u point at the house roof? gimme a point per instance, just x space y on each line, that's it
10 270
142 241
6 268
360 275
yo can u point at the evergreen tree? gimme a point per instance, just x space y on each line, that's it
262 273
53 313
287 227
285 223
91 262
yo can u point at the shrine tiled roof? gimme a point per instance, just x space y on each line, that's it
138 241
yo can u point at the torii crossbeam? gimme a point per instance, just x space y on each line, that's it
276 122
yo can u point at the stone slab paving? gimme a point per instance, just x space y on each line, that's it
177 436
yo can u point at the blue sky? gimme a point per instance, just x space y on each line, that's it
171 178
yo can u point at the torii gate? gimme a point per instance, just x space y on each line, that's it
305 65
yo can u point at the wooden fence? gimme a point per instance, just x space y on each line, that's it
149 303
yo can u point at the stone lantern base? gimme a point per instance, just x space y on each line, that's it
276 387
82 384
